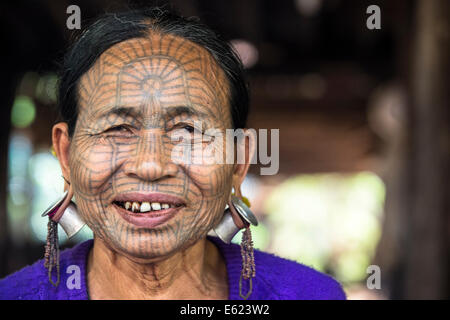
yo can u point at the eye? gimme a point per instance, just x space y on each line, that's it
188 128
183 132
118 129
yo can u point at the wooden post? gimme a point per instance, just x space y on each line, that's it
427 249
8 85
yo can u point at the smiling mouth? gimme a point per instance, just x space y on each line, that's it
148 214
145 207
147 210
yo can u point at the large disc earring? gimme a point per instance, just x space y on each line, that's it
236 217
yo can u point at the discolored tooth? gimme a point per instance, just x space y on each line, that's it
165 206
156 206
145 207
127 205
135 206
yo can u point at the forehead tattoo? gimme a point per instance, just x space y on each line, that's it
159 72
145 82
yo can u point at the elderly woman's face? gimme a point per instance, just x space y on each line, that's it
138 95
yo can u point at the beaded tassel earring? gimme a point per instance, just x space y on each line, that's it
51 257
52 251
248 260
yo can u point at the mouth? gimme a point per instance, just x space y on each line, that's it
147 210
145 207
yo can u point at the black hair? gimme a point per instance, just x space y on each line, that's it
113 28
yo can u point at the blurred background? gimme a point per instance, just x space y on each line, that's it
363 118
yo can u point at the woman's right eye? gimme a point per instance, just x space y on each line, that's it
118 129
189 128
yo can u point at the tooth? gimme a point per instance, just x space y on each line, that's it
135 206
165 206
127 205
145 206
156 206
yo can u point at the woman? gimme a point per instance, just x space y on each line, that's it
134 87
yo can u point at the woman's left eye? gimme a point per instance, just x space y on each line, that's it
187 127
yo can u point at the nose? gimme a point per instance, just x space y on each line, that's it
150 161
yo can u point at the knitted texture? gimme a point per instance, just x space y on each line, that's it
276 278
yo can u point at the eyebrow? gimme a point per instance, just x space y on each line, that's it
172 112
122 111
169 112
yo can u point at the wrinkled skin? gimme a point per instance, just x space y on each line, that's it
136 97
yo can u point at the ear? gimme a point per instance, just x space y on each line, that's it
61 144
248 146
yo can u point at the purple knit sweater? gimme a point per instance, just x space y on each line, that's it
276 278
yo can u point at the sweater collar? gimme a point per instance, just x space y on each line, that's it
230 252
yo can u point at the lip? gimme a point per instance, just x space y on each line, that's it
149 219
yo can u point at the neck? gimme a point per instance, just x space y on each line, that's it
197 272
